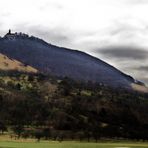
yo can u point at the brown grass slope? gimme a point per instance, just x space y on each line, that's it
8 64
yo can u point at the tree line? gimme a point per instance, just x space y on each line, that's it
39 106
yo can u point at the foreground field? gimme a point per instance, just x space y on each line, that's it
12 144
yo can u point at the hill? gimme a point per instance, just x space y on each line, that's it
63 62
69 94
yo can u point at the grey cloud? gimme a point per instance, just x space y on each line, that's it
124 31
6 14
1 24
2 31
145 80
141 72
124 52
56 35
124 28
142 68
136 1
48 5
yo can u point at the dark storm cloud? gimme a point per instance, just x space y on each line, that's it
124 52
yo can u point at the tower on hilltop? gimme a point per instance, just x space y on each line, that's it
10 35
9 32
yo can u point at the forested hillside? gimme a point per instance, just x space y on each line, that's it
34 105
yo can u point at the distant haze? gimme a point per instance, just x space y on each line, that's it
113 30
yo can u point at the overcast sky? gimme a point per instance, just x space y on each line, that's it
115 31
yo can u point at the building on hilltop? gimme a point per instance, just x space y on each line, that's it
12 36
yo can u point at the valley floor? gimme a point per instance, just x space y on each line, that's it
6 142
13 144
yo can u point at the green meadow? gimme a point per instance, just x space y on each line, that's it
52 144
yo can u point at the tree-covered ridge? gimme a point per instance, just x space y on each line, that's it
34 105
64 62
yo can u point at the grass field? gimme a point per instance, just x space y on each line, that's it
7 142
13 144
